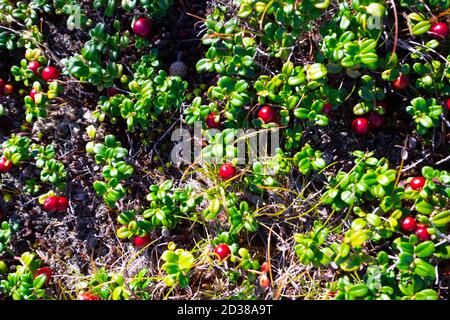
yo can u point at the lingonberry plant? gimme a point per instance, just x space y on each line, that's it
341 109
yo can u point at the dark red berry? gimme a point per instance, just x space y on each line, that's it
47 272
51 203
422 233
448 104
141 242
50 73
63 204
227 171
111 92
88 296
142 27
439 31
213 120
5 164
360 126
375 120
408 224
401 82
2 83
327 108
417 183
34 66
222 251
267 114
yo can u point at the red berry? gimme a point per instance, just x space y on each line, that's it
375 120
222 251
50 73
439 31
401 82
417 183
448 104
265 267
211 121
142 27
267 114
47 272
88 296
422 233
33 93
5 164
327 108
8 89
2 83
34 66
141 242
264 281
409 224
227 171
62 205
360 126
111 92
51 203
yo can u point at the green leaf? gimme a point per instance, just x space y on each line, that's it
425 249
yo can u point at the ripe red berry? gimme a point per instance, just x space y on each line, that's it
142 27
439 31
375 120
8 89
227 171
448 104
5 164
222 251
360 126
50 73
111 92
264 281
327 108
408 224
47 272
88 296
422 233
141 242
211 121
401 82
51 203
34 66
417 183
267 114
33 93
62 205
265 267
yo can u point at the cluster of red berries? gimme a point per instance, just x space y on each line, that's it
88 296
409 224
5 164
5 88
362 126
54 203
49 73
